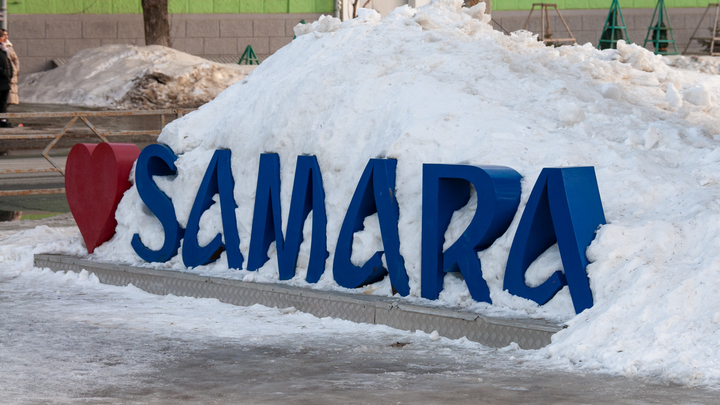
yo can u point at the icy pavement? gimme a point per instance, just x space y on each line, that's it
65 338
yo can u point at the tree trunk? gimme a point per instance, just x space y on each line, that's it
157 25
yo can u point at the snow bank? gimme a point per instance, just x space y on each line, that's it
705 64
17 248
438 85
127 76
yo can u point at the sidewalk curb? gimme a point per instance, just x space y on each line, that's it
490 331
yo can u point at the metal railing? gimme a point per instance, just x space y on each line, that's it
74 117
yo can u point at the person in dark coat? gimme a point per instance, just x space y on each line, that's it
6 75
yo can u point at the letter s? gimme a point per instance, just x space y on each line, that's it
157 160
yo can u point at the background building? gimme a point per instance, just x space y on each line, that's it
43 30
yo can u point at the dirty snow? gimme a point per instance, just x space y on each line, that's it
128 76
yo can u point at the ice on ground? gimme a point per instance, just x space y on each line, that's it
128 76
439 85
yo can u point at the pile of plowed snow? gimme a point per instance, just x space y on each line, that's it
127 76
439 85
705 64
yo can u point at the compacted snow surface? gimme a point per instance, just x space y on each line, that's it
439 85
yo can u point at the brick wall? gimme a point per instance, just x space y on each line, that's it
586 25
40 38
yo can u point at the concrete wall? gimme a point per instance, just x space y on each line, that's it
40 38
586 25
174 6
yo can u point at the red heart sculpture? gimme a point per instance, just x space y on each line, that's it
96 176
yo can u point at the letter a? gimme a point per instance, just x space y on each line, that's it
218 179
564 207
375 192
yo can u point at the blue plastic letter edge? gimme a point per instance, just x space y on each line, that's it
564 207
307 195
446 188
157 160
267 217
375 193
217 180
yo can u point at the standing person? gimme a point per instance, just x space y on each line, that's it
6 75
13 97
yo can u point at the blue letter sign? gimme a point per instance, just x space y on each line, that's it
267 216
446 188
307 195
157 160
218 180
375 192
564 207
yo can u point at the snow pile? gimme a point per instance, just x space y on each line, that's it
705 64
17 248
438 85
127 76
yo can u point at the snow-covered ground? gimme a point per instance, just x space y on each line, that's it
438 85
127 76
68 339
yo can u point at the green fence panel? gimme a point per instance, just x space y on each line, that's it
200 6
324 6
37 7
301 6
126 7
275 6
226 6
251 6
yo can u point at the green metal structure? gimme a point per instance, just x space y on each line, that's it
301 22
248 57
612 31
507 5
659 30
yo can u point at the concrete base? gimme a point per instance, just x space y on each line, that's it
490 331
